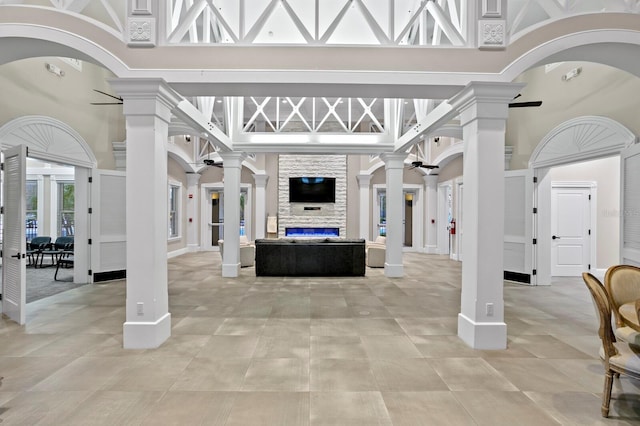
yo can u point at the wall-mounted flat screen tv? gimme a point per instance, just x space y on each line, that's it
312 190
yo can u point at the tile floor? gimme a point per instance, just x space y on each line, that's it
322 351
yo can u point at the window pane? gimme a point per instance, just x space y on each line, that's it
66 212
173 211
31 213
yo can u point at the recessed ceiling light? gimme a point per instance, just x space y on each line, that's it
284 101
219 101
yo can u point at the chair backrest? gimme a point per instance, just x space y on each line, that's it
623 286
39 242
603 310
63 242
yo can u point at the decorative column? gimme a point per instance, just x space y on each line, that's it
147 109
431 225
261 204
193 211
483 115
364 184
232 162
394 167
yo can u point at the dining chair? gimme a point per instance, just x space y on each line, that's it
618 357
35 247
622 283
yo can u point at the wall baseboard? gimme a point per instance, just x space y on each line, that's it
178 252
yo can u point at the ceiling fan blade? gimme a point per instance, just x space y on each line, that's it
109 95
106 103
429 166
525 104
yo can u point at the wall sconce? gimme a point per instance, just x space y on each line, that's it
187 138
215 195
408 196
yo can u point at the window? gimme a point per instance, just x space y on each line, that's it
31 212
66 209
382 205
174 204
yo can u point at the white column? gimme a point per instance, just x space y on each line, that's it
483 114
81 232
232 162
261 204
394 166
364 184
193 211
147 109
431 225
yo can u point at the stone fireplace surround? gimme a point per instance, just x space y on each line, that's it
312 215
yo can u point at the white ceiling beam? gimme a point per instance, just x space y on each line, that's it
334 24
260 22
221 21
298 23
440 115
552 7
373 24
411 22
441 19
188 21
113 15
192 116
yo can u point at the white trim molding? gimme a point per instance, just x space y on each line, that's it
580 139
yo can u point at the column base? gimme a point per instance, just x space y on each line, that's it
230 270
146 335
482 335
393 271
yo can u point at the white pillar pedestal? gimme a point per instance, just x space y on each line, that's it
431 224
364 185
193 211
261 180
394 166
483 112
147 108
232 162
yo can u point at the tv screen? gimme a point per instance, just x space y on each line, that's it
312 190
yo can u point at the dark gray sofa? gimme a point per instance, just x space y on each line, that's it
329 257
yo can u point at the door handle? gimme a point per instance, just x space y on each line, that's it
17 256
553 237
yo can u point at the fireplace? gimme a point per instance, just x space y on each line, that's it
312 232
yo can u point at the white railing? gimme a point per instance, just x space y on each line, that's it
289 114
524 15
317 22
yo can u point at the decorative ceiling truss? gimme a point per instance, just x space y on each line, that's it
313 115
318 22
213 109
523 14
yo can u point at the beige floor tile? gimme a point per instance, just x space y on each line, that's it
294 346
72 345
533 374
389 347
180 346
229 347
342 375
191 408
573 408
429 326
436 346
334 327
545 346
148 373
406 375
348 408
85 374
200 325
241 327
378 327
495 408
46 408
337 347
270 409
470 374
16 344
22 373
208 374
113 408
435 408
287 327
285 374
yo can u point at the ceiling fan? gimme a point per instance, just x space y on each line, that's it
524 104
419 164
118 98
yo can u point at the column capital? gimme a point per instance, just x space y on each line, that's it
494 97
232 159
193 179
364 180
393 160
260 179
430 180
137 92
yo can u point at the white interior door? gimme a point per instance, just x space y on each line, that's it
630 206
13 239
518 224
108 222
570 230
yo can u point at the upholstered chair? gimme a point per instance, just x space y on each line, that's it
622 283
